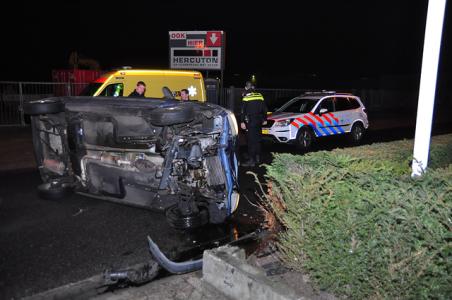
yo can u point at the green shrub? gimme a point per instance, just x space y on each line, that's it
361 226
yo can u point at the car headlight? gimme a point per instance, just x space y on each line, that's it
283 123
233 123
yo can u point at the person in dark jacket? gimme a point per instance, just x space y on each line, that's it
139 91
253 116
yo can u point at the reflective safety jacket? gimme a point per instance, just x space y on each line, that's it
253 108
253 96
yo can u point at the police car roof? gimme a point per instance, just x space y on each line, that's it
323 93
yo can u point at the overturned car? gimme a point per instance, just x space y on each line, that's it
166 155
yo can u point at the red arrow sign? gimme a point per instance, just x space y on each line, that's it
213 39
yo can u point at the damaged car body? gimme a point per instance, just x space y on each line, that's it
172 156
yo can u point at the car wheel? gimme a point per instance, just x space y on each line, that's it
43 107
167 116
179 221
305 139
357 133
54 190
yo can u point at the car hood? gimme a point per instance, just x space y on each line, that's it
277 116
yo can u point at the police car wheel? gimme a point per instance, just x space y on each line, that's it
305 139
167 116
357 133
43 107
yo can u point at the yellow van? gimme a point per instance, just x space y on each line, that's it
122 82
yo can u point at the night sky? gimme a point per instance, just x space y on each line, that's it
282 43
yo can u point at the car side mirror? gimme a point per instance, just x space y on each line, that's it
167 94
323 110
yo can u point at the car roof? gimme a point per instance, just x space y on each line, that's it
156 72
321 94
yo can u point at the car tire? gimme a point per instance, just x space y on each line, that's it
305 139
179 221
167 116
43 107
54 190
357 133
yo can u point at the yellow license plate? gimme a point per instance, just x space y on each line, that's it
265 131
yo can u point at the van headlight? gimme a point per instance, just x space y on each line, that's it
283 123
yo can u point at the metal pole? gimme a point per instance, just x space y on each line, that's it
429 73
21 105
231 99
221 84
68 86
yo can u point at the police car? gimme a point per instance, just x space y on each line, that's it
317 114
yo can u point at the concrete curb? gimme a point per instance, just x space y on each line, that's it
186 286
225 269
76 290
225 275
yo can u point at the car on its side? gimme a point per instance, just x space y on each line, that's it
317 114
167 155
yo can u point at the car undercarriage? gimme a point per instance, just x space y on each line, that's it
168 155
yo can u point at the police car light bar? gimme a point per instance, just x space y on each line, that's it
320 92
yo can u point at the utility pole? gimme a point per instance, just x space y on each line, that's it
427 88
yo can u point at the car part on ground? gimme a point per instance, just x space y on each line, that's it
137 275
194 265
171 266
143 152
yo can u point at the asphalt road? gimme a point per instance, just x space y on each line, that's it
45 244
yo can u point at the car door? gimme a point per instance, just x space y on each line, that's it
343 113
324 115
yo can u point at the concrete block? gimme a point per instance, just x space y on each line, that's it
225 269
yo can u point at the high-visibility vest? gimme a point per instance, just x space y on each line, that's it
253 96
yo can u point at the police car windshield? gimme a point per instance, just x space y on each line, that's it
299 105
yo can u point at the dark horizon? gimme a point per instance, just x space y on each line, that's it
323 43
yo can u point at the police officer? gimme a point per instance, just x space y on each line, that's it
253 116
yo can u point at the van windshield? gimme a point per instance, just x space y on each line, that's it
90 89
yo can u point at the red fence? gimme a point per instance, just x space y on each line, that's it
79 77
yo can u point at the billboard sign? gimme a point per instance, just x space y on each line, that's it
197 50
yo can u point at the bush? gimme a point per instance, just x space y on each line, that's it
361 226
